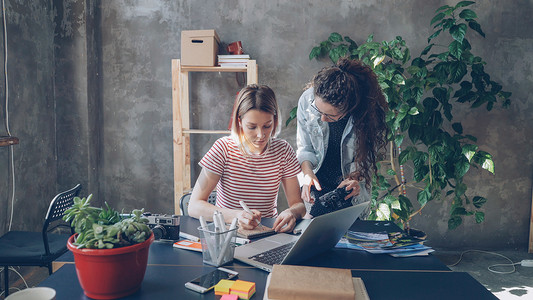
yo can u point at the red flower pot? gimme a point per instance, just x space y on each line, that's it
111 273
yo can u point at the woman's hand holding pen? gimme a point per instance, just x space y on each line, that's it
248 218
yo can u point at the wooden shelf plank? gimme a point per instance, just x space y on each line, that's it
206 131
180 120
212 69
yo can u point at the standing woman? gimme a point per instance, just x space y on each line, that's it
250 165
341 129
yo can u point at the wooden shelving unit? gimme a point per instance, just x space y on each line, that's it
180 121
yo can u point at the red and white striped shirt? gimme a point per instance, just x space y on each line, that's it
253 179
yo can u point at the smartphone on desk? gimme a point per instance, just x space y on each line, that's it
207 281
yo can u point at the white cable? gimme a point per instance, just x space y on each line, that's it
22 277
5 68
512 264
7 116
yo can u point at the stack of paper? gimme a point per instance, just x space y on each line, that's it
235 61
396 244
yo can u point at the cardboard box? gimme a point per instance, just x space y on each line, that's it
199 47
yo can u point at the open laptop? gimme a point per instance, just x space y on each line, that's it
321 234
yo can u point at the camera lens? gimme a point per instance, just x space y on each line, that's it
159 231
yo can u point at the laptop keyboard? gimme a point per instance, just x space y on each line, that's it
273 256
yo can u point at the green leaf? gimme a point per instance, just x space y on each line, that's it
404 156
440 94
415 133
378 60
467 97
456 49
457 127
458 32
468 14
461 167
335 37
315 53
437 18
454 222
398 139
464 3
488 165
413 111
423 196
457 71
292 115
444 7
480 216
338 52
461 211
478 201
460 189
476 27
383 212
469 151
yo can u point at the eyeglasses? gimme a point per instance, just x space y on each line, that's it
331 118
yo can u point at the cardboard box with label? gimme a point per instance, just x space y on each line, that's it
199 47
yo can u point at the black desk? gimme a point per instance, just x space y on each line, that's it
385 277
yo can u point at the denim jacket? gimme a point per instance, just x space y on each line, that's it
312 140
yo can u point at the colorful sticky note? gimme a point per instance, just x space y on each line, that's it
243 289
223 287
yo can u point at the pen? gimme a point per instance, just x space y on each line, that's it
227 242
189 237
245 207
208 239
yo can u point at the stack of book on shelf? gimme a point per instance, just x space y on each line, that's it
233 61
396 244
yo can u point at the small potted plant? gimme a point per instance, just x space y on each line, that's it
110 251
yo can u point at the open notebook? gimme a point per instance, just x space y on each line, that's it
322 233
259 231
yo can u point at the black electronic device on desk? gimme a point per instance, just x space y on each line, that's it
206 282
165 227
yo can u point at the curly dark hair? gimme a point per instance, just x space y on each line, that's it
352 87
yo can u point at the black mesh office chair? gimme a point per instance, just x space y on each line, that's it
26 248
184 201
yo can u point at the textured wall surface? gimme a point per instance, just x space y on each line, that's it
104 75
32 117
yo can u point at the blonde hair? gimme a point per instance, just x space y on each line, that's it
259 97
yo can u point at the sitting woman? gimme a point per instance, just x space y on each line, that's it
250 165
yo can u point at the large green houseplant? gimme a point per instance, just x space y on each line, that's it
421 92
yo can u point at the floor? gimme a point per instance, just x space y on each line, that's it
516 285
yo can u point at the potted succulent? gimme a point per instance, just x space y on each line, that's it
422 93
110 251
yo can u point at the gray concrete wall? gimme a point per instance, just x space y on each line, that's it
31 114
112 70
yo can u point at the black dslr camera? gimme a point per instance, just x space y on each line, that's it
164 226
334 200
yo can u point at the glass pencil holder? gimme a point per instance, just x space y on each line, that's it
218 247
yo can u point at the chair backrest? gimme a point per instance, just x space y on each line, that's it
186 198
56 210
